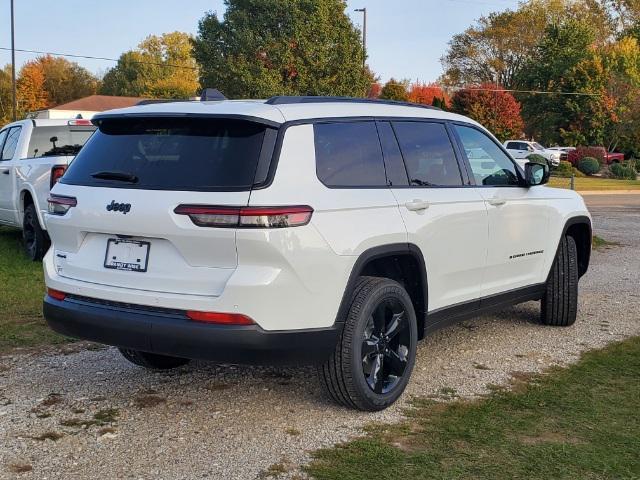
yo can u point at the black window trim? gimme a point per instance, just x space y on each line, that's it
3 141
14 127
519 172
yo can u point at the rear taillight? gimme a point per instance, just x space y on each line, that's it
56 294
59 205
220 318
56 174
79 122
246 217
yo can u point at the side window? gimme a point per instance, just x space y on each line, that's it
394 165
3 136
348 154
428 154
513 145
489 164
10 144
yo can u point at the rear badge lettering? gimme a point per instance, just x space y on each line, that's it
119 207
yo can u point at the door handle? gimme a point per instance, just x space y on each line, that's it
416 205
6 171
496 202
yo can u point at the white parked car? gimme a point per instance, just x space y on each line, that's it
521 149
34 155
298 230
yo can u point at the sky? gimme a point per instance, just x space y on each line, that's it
405 38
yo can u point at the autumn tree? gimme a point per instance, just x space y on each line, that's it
498 46
30 89
65 81
161 67
395 90
6 98
262 48
428 94
494 108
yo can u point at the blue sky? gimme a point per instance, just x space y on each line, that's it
406 38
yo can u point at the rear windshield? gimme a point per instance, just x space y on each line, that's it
59 140
170 154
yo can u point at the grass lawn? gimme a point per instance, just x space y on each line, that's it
595 183
21 322
576 423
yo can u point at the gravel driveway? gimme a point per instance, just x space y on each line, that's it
90 414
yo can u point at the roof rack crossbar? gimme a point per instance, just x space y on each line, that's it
288 100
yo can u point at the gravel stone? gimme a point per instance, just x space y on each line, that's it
206 421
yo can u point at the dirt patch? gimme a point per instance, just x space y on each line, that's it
51 400
148 401
54 436
20 468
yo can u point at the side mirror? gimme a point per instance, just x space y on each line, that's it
536 174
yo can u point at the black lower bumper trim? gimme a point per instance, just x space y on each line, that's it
175 335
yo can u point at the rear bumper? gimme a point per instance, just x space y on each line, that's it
171 333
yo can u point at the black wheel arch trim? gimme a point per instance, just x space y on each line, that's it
379 252
584 255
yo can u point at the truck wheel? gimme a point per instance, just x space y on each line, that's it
152 360
560 301
36 241
374 357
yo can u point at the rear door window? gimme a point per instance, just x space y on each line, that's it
198 154
10 143
348 154
428 154
59 140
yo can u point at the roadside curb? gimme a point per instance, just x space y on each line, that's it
608 192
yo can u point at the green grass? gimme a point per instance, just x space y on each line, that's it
21 322
600 243
595 183
580 422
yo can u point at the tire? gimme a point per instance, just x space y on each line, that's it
152 361
36 241
373 381
560 301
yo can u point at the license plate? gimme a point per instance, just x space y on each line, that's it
129 255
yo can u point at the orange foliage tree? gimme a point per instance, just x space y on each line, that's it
31 93
428 93
497 110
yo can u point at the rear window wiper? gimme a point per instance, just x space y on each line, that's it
119 176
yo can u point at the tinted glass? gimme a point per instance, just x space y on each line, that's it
11 142
349 155
171 154
70 140
3 136
428 154
394 165
489 164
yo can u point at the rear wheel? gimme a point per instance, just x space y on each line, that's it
374 358
152 360
560 301
35 239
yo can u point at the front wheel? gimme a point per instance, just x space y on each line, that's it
560 300
374 358
35 239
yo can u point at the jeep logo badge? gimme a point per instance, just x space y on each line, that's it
118 207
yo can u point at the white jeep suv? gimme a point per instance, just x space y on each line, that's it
319 230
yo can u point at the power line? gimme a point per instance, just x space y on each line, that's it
72 55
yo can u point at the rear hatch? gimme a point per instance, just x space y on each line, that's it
129 179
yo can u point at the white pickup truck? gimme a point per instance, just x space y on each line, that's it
34 155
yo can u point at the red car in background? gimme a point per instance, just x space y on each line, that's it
577 154
612 157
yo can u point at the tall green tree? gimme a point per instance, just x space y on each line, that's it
565 61
65 81
262 48
161 67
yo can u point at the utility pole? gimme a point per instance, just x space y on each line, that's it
13 67
364 35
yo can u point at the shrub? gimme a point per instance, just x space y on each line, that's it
636 163
535 158
563 170
599 153
589 165
623 171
